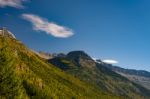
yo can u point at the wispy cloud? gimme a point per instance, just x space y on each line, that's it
12 3
109 61
41 24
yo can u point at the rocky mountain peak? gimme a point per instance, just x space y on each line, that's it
78 54
6 33
81 58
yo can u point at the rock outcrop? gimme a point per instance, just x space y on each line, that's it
5 32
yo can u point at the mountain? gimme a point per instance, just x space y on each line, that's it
24 75
6 33
138 76
82 66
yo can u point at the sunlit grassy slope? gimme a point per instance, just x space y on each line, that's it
23 75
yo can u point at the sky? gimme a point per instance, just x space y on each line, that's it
111 30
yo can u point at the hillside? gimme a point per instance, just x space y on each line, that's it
82 66
24 75
138 76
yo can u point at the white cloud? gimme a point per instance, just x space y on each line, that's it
109 61
40 24
12 3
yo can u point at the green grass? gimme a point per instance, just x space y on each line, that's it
23 75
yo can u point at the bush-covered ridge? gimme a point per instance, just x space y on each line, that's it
23 75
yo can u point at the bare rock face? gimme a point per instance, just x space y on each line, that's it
6 33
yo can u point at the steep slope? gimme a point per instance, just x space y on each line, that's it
138 76
82 66
23 75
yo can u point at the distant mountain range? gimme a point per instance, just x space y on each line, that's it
141 77
27 74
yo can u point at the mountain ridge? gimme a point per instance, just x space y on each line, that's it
23 74
141 77
85 68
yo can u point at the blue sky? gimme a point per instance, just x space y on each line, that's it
105 29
